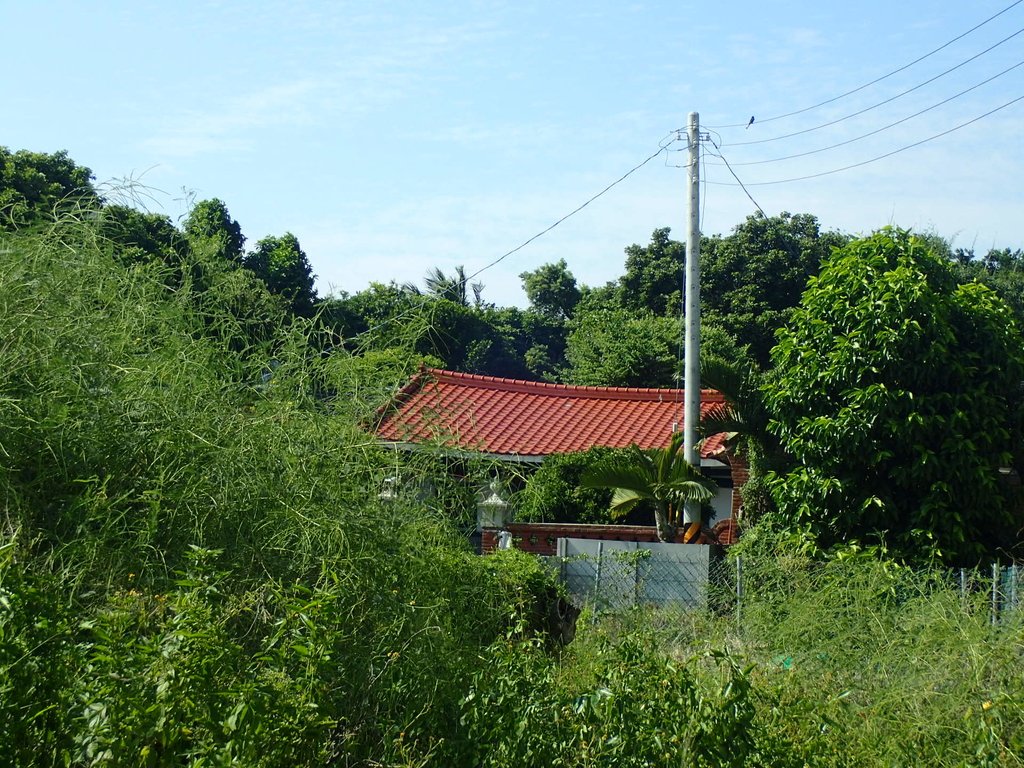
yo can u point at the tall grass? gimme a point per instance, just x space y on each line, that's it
848 660
901 667
194 565
195 569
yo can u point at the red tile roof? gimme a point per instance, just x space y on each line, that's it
519 418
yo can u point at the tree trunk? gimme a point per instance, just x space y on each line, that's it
664 523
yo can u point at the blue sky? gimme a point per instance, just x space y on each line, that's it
392 137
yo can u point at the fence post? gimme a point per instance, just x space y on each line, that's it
1013 586
636 577
995 593
597 573
963 586
739 587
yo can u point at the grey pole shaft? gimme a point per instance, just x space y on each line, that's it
691 373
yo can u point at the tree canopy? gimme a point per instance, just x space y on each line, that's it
209 226
440 285
34 186
653 277
612 346
897 392
138 236
752 278
282 264
552 290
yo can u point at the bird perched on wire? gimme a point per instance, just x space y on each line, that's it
751 121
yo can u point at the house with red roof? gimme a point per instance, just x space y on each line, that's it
523 421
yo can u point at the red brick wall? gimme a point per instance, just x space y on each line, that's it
542 538
740 475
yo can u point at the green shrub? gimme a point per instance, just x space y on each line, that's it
39 660
553 493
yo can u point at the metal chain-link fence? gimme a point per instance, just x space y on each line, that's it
1001 583
612 576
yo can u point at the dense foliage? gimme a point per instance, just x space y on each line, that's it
35 186
197 567
283 266
194 566
553 494
843 660
897 391
752 279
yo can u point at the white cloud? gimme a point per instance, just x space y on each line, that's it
230 126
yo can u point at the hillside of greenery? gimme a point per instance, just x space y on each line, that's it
196 567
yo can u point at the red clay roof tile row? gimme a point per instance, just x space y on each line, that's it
523 418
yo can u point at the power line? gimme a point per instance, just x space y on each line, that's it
881 103
663 145
884 127
875 159
661 148
878 79
742 185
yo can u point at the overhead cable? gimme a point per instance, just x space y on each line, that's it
719 154
661 148
881 103
663 145
877 79
884 127
875 159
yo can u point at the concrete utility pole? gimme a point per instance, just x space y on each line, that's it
691 369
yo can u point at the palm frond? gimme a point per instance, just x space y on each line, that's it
680 491
731 379
619 474
722 419
623 501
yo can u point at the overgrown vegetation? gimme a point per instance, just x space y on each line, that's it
896 391
839 660
196 567
553 493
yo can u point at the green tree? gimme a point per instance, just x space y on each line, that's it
440 285
752 279
897 392
282 265
552 290
609 345
474 339
1002 270
653 279
140 237
661 476
539 339
209 227
36 185
617 347
553 493
374 314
